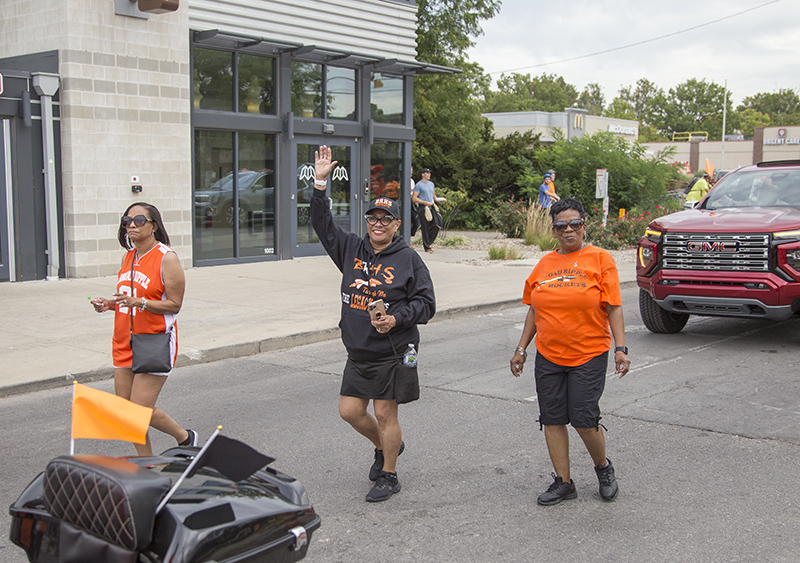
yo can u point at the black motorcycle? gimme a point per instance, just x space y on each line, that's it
93 508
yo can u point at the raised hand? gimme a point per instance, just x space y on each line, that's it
323 165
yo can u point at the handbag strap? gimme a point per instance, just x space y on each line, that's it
130 309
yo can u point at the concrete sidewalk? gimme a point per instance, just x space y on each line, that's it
50 335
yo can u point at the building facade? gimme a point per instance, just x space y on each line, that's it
570 123
210 111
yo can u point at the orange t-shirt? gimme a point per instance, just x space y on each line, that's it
552 187
148 282
570 304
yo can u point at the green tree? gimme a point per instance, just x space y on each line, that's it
782 107
638 104
592 99
750 118
522 92
694 105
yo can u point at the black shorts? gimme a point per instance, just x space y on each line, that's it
570 394
369 379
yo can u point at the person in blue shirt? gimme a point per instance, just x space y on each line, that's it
544 192
424 196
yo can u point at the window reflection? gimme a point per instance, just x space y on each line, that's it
306 89
256 194
256 84
213 191
341 93
386 98
386 172
213 79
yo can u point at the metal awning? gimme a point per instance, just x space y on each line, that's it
313 53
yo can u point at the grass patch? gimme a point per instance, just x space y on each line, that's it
455 240
503 253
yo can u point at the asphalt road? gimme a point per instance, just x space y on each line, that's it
704 433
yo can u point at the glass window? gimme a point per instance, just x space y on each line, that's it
306 90
213 79
256 84
213 194
341 93
386 98
256 194
386 172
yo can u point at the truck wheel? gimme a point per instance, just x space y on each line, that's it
657 319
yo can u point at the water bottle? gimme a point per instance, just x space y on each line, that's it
410 357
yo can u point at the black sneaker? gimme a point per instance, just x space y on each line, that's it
608 483
190 440
558 491
377 465
385 486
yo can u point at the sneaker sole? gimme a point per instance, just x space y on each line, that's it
387 497
611 498
570 496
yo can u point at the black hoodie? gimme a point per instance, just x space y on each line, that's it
396 274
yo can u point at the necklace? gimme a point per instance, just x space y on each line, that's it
575 264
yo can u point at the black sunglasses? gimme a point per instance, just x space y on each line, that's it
561 226
386 220
139 221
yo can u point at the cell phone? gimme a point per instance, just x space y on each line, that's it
377 309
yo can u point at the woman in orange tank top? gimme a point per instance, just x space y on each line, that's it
150 288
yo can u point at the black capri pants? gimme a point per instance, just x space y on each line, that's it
570 394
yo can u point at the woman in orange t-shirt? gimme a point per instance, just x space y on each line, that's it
574 300
149 293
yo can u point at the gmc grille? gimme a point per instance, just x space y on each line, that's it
721 252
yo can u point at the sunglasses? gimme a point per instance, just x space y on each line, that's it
139 221
386 220
561 226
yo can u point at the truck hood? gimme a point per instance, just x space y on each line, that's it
731 220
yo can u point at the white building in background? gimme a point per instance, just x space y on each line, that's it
570 123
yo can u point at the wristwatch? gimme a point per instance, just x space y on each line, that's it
623 349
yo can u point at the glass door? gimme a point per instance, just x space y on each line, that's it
341 190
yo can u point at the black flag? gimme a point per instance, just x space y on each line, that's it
234 459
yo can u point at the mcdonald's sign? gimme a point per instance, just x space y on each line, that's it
577 121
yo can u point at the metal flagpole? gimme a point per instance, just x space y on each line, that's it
177 484
71 430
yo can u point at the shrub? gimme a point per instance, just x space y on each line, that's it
508 216
621 232
503 253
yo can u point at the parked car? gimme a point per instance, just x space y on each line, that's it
91 508
736 253
214 206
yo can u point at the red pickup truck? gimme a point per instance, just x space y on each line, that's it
736 253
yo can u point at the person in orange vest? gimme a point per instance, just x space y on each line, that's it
552 186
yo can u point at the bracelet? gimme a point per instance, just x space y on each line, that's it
320 182
522 351
143 306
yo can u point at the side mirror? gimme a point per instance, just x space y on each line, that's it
690 204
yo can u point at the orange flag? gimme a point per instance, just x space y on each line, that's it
709 168
103 416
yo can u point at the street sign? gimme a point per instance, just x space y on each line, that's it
601 185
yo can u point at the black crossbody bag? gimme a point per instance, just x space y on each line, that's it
150 352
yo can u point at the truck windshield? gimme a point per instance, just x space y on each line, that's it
759 188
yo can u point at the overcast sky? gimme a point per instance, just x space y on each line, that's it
756 51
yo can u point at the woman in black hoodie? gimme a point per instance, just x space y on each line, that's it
378 266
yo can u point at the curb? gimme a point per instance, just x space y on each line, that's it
237 350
